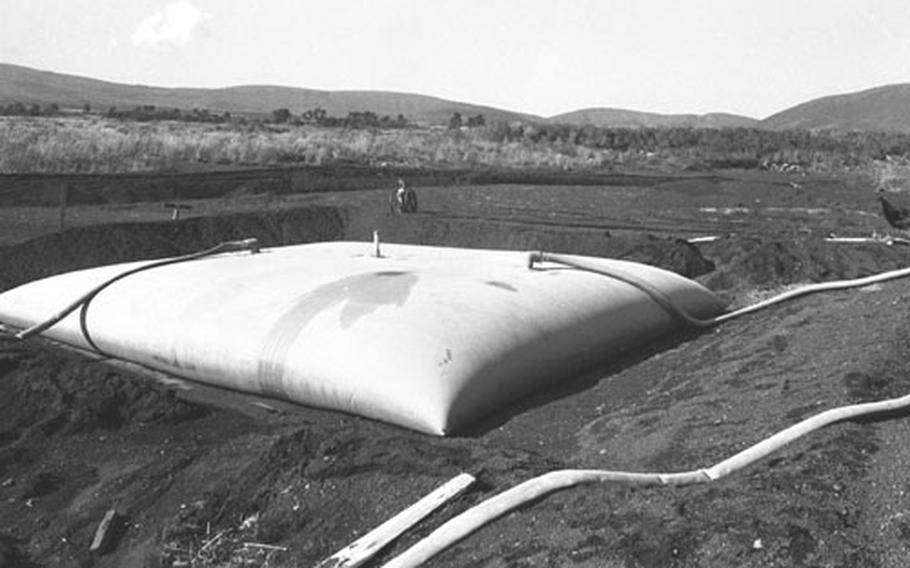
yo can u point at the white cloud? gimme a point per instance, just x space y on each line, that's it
177 25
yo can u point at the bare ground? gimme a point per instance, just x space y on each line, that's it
196 472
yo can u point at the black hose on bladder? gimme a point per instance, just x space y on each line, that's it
251 245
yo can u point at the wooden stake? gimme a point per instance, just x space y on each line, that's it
265 546
105 534
362 549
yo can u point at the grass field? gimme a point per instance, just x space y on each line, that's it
95 144
98 145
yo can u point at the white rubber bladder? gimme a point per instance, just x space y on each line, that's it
429 338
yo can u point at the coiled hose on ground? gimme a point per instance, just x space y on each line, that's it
474 518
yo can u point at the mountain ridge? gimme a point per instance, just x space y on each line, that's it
637 119
885 108
34 86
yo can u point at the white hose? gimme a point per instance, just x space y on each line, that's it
474 518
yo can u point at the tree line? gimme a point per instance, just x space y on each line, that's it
19 109
717 147
316 116
355 119
147 113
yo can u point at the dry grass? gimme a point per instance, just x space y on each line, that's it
98 145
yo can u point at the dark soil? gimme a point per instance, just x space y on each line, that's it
210 182
103 244
195 472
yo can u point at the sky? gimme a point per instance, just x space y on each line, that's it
543 57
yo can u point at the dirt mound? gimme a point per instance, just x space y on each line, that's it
295 479
750 263
45 393
676 255
107 244
11 555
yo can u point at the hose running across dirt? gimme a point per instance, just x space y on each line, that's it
474 518
83 301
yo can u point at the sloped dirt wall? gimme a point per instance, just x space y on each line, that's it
107 244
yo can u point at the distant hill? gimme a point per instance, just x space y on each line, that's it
883 109
620 118
32 86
